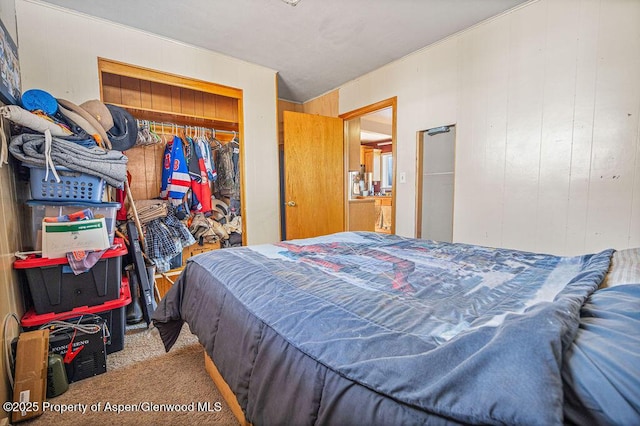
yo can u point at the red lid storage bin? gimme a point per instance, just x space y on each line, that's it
113 312
54 290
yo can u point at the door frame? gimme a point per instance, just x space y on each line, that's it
419 184
357 113
419 169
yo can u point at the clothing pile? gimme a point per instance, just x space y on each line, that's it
230 221
86 138
207 230
234 228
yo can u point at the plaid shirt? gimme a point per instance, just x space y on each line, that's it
165 238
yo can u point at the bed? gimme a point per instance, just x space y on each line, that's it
366 328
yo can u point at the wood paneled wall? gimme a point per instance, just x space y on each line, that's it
15 218
282 107
153 96
326 105
148 167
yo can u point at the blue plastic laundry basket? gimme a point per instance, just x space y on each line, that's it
73 185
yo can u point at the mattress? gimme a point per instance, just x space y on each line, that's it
369 328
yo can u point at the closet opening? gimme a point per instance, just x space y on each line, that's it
191 132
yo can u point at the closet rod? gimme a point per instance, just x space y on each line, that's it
141 123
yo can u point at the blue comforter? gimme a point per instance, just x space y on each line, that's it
469 333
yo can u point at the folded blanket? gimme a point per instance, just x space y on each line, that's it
149 210
108 165
33 121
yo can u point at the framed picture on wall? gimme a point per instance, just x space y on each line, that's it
10 86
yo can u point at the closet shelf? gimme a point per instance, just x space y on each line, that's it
180 118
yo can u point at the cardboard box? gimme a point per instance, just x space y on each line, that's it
59 238
30 388
196 248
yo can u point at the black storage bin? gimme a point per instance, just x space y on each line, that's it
112 313
54 290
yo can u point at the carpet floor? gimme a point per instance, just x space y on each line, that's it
141 385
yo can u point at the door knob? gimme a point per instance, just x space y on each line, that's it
291 203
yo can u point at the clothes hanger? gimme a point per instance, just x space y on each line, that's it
154 132
215 140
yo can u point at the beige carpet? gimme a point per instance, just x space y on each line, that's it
143 375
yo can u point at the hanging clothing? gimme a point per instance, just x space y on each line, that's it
175 173
200 186
194 175
235 198
227 185
205 149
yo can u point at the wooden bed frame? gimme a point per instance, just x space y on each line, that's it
225 390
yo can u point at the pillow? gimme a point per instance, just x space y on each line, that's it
601 368
624 269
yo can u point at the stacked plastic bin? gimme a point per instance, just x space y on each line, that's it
56 292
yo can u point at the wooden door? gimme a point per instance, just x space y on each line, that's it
314 175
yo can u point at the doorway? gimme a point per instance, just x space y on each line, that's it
435 183
370 150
